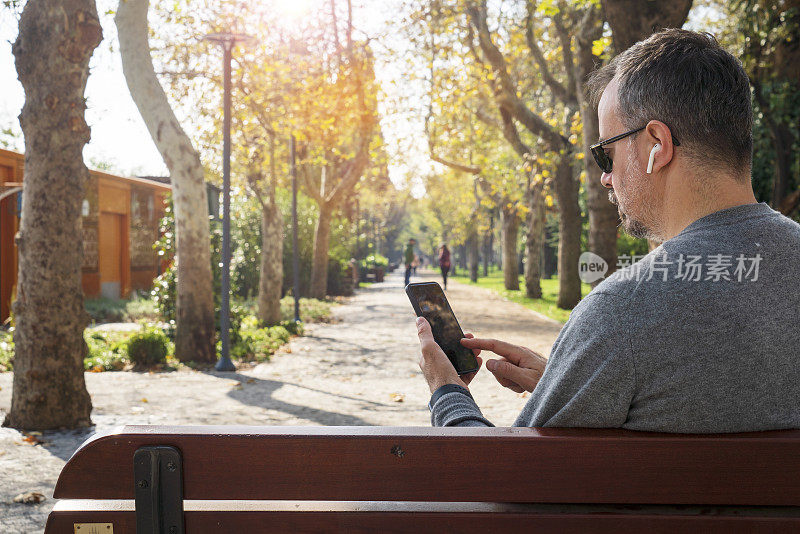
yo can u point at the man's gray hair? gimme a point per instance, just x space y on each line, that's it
690 83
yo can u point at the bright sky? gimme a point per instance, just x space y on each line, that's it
119 136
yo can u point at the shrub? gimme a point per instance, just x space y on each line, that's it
295 329
148 347
311 310
375 260
107 351
6 351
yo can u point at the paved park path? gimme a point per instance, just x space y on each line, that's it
359 370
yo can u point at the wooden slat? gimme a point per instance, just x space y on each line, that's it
451 464
252 522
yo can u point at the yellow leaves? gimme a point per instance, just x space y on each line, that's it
397 397
547 8
579 155
549 201
600 45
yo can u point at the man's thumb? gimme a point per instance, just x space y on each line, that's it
424 329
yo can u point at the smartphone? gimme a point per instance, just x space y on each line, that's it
429 302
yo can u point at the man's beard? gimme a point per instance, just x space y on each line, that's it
636 227
633 227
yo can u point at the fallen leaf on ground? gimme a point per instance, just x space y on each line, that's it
522 395
288 350
32 497
143 400
32 439
251 380
235 384
397 397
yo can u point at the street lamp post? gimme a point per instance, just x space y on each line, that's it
295 258
227 41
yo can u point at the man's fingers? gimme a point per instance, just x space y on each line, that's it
468 335
507 370
513 353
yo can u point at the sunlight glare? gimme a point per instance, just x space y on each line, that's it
294 10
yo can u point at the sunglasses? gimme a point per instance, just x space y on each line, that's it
602 158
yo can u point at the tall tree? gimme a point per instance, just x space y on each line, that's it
556 140
52 52
771 56
466 135
194 338
337 159
262 78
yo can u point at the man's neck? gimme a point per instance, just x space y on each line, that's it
685 202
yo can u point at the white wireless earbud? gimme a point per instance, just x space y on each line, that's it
652 158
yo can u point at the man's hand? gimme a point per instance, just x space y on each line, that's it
519 369
434 363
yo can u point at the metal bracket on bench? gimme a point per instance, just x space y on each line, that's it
158 480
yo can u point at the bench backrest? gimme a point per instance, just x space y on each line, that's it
544 468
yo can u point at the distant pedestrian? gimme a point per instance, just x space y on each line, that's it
408 257
444 262
414 265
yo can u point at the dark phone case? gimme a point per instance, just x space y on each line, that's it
418 311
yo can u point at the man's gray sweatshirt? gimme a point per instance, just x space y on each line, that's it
701 335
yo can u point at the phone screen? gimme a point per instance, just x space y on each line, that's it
429 302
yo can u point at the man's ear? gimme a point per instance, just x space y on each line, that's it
659 133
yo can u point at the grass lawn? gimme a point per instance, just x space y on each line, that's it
545 305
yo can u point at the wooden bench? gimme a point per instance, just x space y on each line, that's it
388 479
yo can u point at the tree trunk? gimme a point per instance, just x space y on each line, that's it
634 20
473 256
52 54
271 278
569 229
510 225
603 216
782 140
535 242
488 243
194 339
319 266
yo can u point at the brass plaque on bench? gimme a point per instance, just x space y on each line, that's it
93 528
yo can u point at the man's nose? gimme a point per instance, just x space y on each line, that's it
605 179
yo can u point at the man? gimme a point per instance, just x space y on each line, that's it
702 334
409 256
